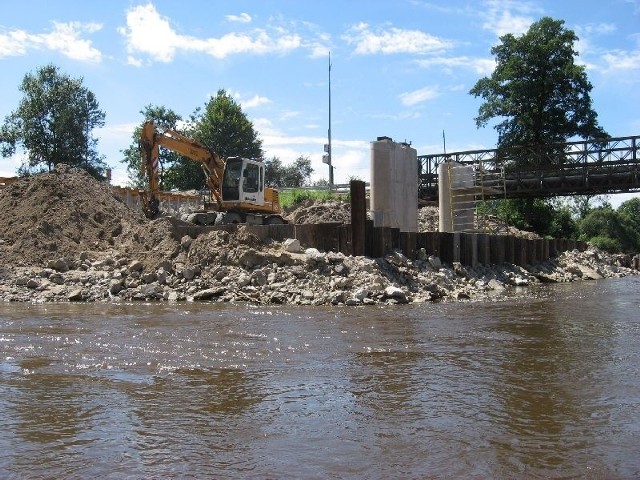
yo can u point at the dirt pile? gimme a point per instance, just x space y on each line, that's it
428 218
311 211
66 213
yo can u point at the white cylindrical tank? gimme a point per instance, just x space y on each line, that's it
394 185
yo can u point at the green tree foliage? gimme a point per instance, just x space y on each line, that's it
630 210
295 175
610 230
163 118
537 90
549 219
221 126
540 98
225 128
53 124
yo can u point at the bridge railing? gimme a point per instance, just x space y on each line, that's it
603 165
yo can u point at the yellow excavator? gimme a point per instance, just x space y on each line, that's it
236 192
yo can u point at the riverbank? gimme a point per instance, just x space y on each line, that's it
67 238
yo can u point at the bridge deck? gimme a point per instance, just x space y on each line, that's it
588 167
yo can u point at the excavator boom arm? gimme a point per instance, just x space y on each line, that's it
150 141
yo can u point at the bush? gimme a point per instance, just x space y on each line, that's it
293 197
607 244
614 228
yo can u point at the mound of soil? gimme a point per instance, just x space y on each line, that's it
66 212
312 211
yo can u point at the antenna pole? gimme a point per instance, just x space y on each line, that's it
329 152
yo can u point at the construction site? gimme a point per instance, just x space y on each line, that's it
68 237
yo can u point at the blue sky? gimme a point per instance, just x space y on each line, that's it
400 68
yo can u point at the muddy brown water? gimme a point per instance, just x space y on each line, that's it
545 385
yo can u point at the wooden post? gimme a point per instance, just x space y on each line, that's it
358 216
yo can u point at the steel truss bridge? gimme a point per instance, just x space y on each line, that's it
604 166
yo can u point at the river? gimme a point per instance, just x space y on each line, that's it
543 384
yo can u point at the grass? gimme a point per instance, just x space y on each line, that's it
295 196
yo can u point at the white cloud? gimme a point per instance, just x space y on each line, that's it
481 66
65 38
149 34
13 43
508 16
409 99
242 18
622 60
255 101
393 41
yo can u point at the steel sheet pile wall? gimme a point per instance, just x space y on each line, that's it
469 249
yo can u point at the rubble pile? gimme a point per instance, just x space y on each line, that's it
65 237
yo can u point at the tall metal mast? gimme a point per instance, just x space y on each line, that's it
329 152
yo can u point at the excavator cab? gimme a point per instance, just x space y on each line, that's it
243 181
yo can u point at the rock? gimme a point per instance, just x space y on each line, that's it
292 245
149 277
589 273
135 266
395 293
361 294
251 259
151 290
115 286
185 242
314 255
57 289
75 295
209 293
60 265
435 262
189 273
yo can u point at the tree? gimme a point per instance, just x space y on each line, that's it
298 174
162 117
225 128
631 208
610 230
273 171
290 176
53 124
539 92
541 99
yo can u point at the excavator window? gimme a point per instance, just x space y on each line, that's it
252 177
231 180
